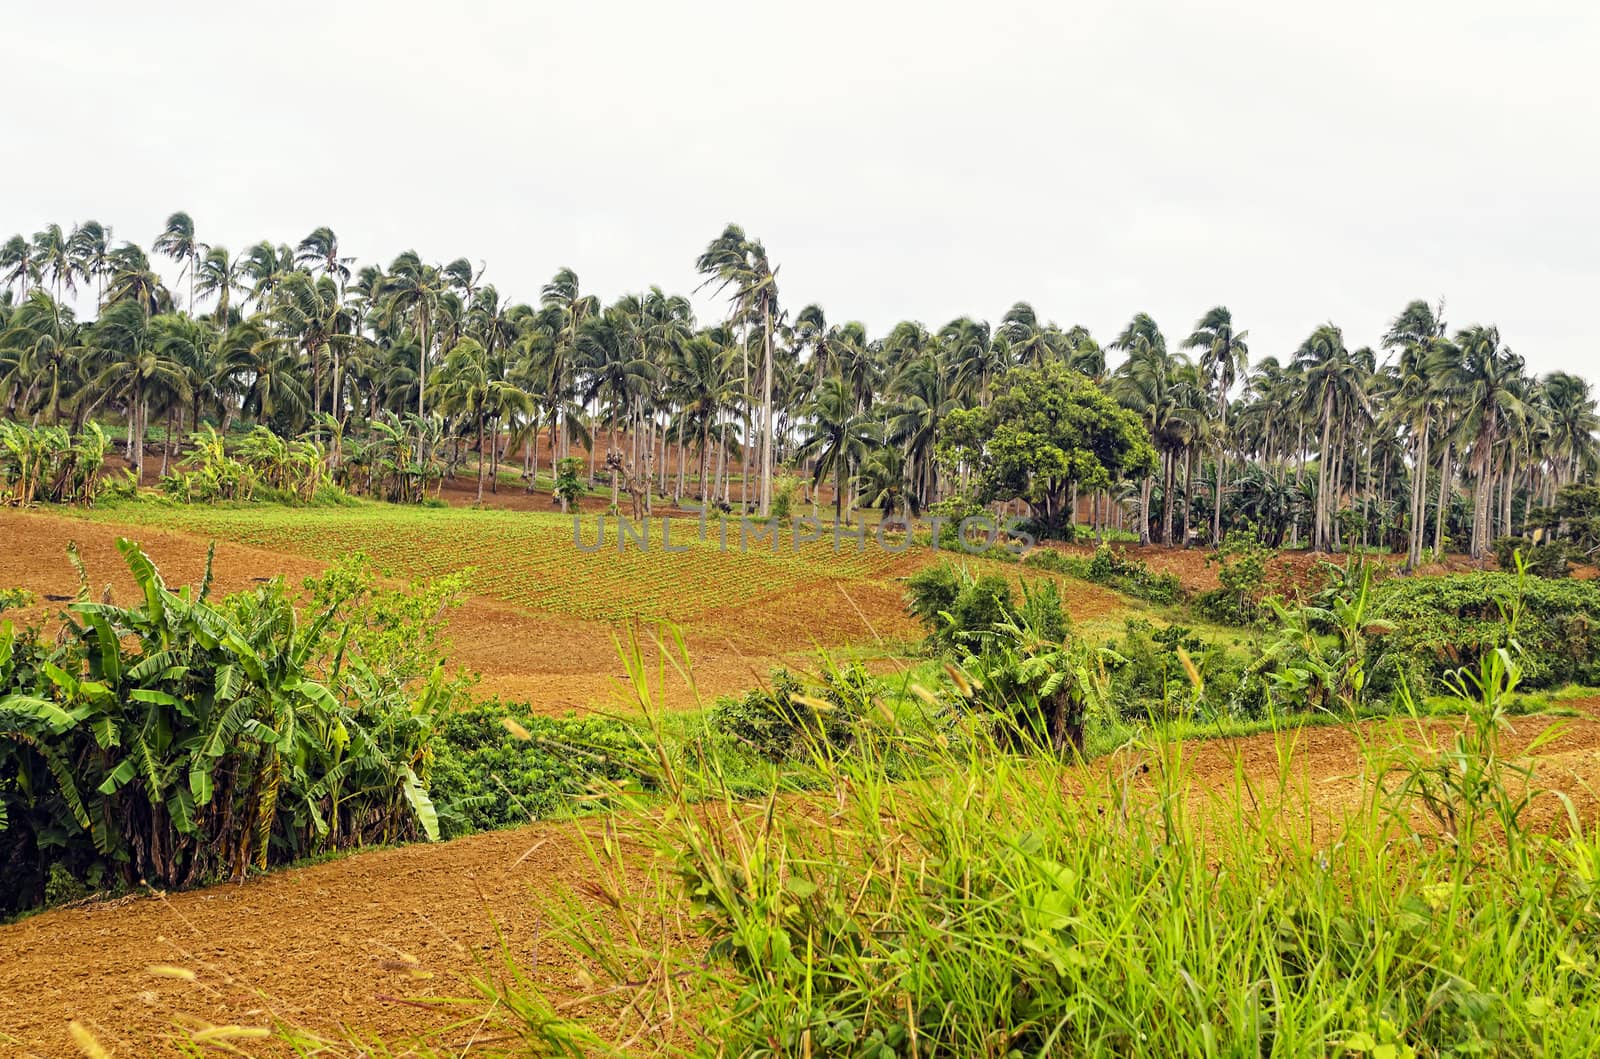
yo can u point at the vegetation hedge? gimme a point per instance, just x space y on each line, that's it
496 764
1443 623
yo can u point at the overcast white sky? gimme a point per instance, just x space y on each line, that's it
1297 162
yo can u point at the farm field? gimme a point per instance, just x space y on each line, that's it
350 942
539 616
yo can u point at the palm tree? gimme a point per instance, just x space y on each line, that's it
222 275
310 311
53 251
263 369
20 263
41 357
134 369
177 241
1334 388
1425 359
1144 385
319 252
91 250
841 435
1489 380
415 288
1569 409
881 482
1031 342
266 266
734 263
132 279
1224 355
567 309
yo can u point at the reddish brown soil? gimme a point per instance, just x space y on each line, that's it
555 663
335 942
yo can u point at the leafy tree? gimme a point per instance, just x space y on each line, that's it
1047 430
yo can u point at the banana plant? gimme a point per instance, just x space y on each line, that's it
180 739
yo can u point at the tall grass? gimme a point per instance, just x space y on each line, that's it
1008 904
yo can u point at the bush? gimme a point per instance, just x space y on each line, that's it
1241 559
958 608
1151 680
1115 569
497 764
1552 558
1444 623
789 722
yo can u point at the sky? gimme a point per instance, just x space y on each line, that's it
1300 163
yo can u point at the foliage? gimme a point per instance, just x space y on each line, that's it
1114 568
569 487
1166 673
956 606
1241 559
48 465
287 470
1324 653
497 764
792 720
177 740
1547 558
1036 690
1047 431
1573 518
1445 623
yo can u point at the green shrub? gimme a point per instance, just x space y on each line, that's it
1551 558
1443 623
790 721
1241 560
498 763
953 605
1114 569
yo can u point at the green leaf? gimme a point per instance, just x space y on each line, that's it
421 804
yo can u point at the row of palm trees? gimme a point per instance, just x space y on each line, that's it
1449 436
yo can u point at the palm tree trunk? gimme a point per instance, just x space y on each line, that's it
766 410
480 459
1446 490
422 359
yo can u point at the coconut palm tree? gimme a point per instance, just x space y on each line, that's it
1416 400
566 310
223 276
264 370
1224 356
841 436
91 251
416 289
177 241
19 264
1489 380
1334 389
736 264
1144 384
319 252
266 266
53 250
134 369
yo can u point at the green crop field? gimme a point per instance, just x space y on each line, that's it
533 561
